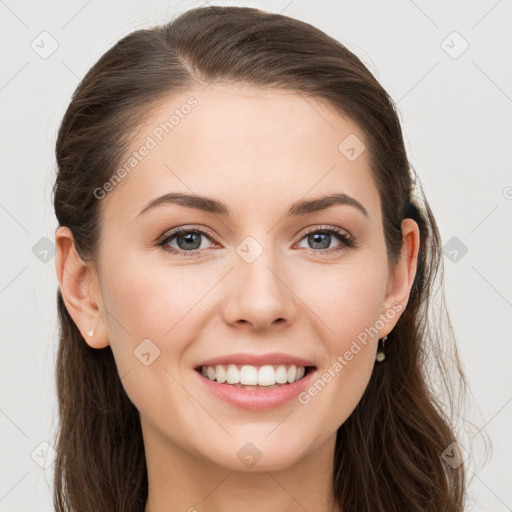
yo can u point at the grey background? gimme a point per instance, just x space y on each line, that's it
456 111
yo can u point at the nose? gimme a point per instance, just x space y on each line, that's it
259 293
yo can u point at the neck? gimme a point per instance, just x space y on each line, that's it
180 480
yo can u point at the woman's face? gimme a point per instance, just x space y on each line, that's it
262 280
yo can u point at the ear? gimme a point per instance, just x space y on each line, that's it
80 290
402 277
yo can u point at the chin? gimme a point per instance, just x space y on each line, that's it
242 454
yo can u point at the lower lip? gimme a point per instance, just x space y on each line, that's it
256 399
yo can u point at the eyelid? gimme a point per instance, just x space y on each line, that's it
346 239
202 229
324 227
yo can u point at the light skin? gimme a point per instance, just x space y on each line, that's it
258 152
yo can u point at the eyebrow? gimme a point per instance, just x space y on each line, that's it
215 207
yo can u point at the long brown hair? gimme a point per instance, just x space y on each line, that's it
389 452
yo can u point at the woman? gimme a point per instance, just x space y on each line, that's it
245 281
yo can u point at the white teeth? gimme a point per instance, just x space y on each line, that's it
248 375
233 375
281 375
266 376
292 373
220 374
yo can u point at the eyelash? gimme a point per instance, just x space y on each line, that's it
347 241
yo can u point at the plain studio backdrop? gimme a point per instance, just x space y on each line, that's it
448 68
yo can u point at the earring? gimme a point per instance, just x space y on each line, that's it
380 353
91 333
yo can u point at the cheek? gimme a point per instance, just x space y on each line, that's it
351 381
152 299
345 298
346 303
155 305
159 302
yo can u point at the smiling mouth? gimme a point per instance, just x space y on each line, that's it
255 377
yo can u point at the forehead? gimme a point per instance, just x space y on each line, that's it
246 146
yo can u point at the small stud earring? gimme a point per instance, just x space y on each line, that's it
380 353
91 333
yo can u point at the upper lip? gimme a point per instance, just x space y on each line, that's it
257 359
